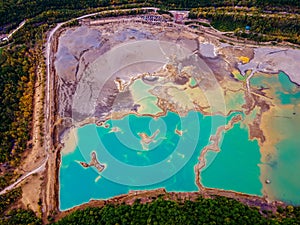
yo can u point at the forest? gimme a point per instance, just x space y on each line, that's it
219 210
17 73
15 216
263 26
17 78
216 210
12 12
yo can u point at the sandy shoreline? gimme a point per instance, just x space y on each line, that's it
70 141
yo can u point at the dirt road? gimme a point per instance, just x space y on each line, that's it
39 169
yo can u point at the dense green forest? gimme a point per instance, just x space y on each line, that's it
19 63
204 211
17 72
14 11
15 216
219 210
263 26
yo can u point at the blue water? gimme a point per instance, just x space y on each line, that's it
235 167
168 163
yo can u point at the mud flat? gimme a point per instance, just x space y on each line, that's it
94 59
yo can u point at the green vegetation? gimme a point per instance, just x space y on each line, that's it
17 77
197 22
12 12
278 4
15 216
8 199
272 20
263 26
19 63
17 74
219 210
21 216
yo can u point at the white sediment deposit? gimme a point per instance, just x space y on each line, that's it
90 59
273 60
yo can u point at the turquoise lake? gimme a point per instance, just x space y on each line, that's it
168 163
235 167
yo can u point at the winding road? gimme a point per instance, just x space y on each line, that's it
23 177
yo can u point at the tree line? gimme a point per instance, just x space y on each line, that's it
15 216
215 210
18 66
218 210
12 12
262 26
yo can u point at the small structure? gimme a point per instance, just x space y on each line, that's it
267 181
3 38
247 29
152 18
179 16
86 22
